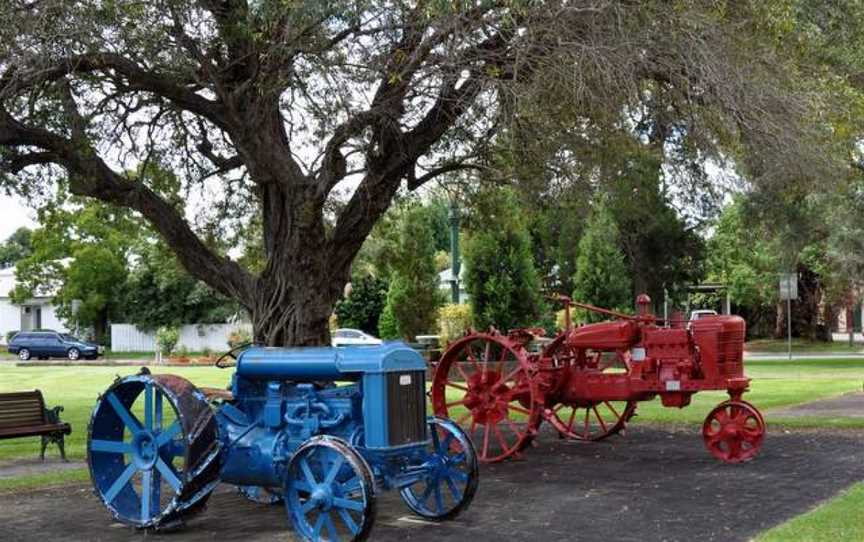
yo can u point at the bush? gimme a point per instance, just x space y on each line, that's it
453 320
166 339
239 337
361 309
387 325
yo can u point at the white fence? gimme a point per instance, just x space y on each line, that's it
194 337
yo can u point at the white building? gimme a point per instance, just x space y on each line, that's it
36 313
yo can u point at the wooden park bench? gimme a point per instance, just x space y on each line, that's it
23 414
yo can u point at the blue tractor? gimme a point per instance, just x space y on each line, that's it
320 429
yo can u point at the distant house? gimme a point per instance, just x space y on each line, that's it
445 278
36 313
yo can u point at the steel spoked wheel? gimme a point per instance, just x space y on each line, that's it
450 474
329 491
24 354
734 432
152 450
486 384
261 495
591 422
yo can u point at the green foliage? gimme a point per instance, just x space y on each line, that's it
499 271
388 327
661 251
413 296
362 308
80 255
166 339
160 292
602 277
742 256
453 320
16 247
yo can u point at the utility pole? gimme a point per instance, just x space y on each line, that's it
455 259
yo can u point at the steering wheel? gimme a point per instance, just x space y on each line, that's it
233 355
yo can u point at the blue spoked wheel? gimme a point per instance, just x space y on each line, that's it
261 495
152 449
329 491
450 474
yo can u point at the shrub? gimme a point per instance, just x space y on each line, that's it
239 337
453 320
361 309
167 338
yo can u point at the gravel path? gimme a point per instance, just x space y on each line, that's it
652 485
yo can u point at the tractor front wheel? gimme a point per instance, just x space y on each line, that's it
734 431
329 491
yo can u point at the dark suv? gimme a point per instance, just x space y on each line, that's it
50 344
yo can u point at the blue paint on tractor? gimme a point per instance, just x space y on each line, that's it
324 427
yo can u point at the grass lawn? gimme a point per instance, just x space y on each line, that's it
775 384
801 345
834 521
76 388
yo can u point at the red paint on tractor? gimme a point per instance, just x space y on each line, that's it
587 382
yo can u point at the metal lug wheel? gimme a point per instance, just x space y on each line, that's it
329 491
152 449
595 421
734 431
486 384
449 482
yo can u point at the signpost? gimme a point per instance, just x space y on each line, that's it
789 291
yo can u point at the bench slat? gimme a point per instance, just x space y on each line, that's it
35 430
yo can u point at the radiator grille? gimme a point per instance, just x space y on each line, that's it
406 407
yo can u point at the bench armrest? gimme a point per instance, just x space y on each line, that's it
52 415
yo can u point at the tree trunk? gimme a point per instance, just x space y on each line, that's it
295 294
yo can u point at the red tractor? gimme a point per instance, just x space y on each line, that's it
588 381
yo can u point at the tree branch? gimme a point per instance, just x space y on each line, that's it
90 176
138 78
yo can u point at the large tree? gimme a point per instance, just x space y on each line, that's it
267 109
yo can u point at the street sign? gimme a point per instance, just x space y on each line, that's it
788 286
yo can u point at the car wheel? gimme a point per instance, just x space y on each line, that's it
73 354
24 354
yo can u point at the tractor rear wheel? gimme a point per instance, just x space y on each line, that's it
152 449
486 384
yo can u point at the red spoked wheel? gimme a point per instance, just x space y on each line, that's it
593 421
734 431
486 384
587 420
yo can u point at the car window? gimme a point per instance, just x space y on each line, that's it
340 334
352 335
69 338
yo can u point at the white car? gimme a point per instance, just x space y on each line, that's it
702 313
353 337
